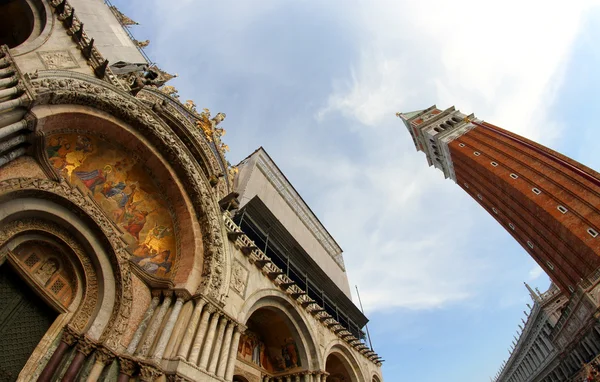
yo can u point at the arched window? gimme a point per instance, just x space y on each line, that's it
16 22
437 129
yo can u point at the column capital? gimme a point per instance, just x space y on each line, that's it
183 294
104 355
85 346
149 372
212 309
156 293
70 336
127 365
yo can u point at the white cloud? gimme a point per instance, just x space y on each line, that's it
535 273
501 60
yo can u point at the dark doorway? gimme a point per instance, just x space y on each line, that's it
24 319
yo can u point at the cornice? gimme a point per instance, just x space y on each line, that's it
283 187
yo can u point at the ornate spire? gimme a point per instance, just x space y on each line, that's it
533 295
124 20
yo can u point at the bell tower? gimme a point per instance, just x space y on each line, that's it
548 202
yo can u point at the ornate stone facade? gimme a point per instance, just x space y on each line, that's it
212 306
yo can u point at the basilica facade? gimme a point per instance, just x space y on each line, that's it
130 248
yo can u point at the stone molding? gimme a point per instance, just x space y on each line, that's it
59 87
168 108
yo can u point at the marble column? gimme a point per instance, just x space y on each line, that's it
9 92
5 105
200 334
216 351
12 128
154 326
237 332
297 378
103 357
210 339
69 338
188 336
83 348
224 354
179 330
137 336
167 330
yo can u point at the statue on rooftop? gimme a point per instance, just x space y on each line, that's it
141 44
124 20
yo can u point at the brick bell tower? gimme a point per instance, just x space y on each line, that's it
549 203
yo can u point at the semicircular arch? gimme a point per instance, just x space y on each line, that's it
340 351
66 88
275 299
28 205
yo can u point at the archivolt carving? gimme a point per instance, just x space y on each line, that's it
52 88
90 298
50 190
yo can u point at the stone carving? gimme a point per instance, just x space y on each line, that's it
142 44
127 365
200 146
239 278
60 191
84 90
124 20
104 355
86 346
170 91
58 59
46 271
149 372
69 336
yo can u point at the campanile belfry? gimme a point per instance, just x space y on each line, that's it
548 202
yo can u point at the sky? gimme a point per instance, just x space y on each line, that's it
318 83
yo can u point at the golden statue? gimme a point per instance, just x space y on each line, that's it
190 105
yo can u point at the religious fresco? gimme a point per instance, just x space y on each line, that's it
124 190
274 358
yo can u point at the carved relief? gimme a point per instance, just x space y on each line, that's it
58 59
239 278
49 268
91 92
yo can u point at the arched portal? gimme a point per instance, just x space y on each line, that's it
342 366
337 370
270 344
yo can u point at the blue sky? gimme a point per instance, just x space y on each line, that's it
318 84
